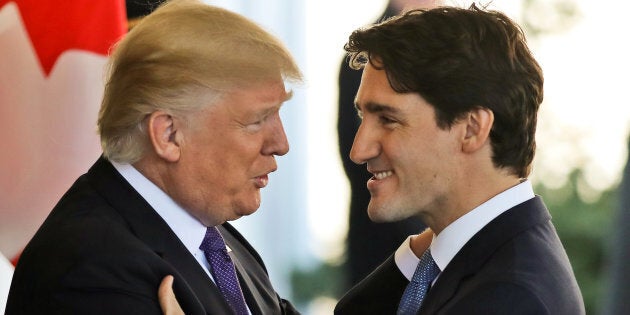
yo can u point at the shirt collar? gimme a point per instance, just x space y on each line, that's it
187 228
448 243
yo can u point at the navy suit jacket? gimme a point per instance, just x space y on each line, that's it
514 265
104 250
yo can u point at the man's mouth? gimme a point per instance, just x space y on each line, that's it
261 181
383 175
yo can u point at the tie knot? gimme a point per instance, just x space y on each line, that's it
427 268
213 241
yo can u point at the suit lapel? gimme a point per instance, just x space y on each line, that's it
243 277
150 228
253 300
257 289
481 247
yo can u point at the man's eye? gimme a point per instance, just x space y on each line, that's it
259 121
254 126
386 120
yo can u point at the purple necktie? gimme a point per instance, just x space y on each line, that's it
223 271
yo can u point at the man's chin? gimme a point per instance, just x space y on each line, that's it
247 210
378 214
381 214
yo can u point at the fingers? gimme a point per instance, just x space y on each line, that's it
168 302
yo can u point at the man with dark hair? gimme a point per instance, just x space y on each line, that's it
368 242
449 100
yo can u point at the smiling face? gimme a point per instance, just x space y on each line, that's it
227 153
414 162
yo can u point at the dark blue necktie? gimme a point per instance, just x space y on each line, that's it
223 271
416 290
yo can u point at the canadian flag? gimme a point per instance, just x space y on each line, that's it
52 62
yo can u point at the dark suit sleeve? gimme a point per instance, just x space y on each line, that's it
378 293
106 302
499 298
87 268
287 308
114 275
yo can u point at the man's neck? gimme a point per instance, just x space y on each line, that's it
469 196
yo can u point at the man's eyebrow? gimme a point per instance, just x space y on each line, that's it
274 109
373 107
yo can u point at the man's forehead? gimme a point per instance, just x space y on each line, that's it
263 90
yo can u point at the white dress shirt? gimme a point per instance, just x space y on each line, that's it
6 274
188 229
448 243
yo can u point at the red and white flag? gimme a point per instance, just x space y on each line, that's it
52 58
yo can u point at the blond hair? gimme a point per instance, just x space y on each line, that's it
180 59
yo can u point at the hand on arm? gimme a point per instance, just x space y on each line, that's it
168 302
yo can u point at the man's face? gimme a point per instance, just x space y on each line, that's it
413 161
228 153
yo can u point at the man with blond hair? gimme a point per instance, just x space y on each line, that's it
190 128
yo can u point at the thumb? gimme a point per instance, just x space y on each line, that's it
168 302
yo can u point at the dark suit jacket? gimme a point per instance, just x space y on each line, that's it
104 250
514 265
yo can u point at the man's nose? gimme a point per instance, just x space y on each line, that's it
276 143
365 145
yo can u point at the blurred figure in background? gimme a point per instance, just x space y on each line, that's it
368 243
617 297
138 9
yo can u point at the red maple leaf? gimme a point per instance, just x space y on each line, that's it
57 26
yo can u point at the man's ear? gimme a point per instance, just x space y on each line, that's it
479 122
164 136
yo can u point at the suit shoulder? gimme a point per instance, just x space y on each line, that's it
507 297
378 293
80 259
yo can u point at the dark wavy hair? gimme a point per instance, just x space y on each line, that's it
458 60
